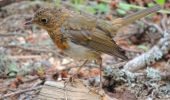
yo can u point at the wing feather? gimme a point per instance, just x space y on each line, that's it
85 32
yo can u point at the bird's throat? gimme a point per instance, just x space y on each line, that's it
59 40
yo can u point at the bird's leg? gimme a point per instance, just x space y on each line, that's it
80 67
99 60
99 89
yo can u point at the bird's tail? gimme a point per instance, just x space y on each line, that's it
121 22
140 14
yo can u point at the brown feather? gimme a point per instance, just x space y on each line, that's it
91 37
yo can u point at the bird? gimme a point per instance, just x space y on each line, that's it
85 37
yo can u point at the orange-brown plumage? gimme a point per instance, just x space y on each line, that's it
59 41
61 45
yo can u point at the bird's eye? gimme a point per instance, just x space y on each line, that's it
44 20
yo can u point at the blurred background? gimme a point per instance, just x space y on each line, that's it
27 52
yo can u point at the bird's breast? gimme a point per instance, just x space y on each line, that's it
72 49
59 40
80 52
62 44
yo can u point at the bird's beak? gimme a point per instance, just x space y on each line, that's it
28 22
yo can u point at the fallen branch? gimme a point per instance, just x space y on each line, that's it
155 53
20 92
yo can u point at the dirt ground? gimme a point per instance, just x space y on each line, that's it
28 57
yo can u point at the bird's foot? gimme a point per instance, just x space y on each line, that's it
72 80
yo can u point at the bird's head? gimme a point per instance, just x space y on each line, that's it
47 18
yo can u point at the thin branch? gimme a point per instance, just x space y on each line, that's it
20 92
65 91
24 57
160 30
131 50
9 34
28 48
117 65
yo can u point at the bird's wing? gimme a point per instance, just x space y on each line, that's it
83 31
108 27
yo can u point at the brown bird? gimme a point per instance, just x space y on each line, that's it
83 37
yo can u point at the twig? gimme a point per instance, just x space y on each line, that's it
131 50
163 22
24 57
30 80
36 50
7 34
117 65
160 30
37 83
65 91
20 92
29 48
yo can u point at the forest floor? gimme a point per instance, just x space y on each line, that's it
28 57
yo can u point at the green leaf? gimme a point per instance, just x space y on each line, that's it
161 2
145 48
121 12
13 70
79 7
78 1
150 4
103 7
57 2
85 8
91 10
124 6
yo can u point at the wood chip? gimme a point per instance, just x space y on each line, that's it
57 91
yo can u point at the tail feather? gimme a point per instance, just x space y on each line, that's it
140 14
